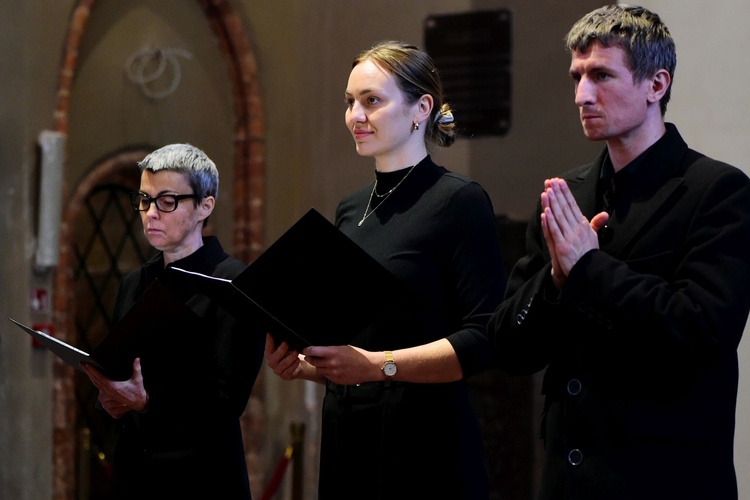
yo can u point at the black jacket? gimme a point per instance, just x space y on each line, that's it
199 373
640 345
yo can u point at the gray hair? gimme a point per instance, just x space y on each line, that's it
199 170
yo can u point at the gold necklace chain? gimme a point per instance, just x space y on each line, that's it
378 195
384 196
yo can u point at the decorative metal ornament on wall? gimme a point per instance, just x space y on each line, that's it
157 72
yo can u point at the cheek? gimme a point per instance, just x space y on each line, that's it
629 109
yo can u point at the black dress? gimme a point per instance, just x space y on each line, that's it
189 443
437 233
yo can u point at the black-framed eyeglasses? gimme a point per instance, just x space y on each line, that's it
164 202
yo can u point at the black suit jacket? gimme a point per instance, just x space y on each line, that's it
640 345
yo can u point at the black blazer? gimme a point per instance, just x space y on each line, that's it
640 345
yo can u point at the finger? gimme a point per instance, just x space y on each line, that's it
570 200
545 221
94 377
545 200
553 227
599 221
292 369
564 213
109 402
137 376
270 344
275 352
548 238
554 211
288 361
315 351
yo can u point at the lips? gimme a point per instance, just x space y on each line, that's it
360 134
589 115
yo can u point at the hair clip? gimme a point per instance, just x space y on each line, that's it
444 118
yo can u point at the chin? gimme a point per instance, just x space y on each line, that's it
157 242
363 152
594 135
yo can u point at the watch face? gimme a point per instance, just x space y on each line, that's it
389 369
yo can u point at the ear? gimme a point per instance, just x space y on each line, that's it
423 108
660 82
206 207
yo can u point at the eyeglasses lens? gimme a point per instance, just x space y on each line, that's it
164 203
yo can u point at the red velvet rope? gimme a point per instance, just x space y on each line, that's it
278 474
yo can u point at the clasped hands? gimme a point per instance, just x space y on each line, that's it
567 232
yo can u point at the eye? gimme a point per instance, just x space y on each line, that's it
349 102
167 202
372 100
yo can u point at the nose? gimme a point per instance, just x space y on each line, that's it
585 93
355 114
152 212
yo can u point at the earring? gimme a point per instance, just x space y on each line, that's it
416 126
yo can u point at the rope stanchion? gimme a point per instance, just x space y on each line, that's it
295 450
278 474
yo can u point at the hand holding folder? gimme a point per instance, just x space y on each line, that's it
148 323
312 286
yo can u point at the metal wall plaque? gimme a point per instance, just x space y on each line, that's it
472 52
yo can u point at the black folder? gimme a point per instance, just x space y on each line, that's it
154 322
66 352
312 286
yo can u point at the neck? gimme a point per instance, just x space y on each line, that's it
624 149
392 163
189 247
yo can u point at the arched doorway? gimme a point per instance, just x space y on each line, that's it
106 242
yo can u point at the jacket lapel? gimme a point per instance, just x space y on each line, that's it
652 185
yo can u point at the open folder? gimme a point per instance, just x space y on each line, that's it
312 286
66 352
153 324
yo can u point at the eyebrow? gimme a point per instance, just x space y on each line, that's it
362 92
594 69
160 193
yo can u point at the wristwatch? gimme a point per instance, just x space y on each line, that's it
389 367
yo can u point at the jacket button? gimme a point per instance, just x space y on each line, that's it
521 316
575 456
574 387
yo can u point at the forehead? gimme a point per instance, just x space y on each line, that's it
598 56
163 181
369 77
